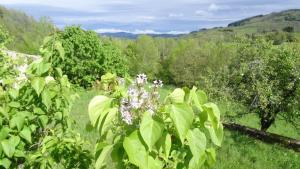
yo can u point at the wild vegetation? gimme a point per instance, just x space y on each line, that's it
128 122
26 33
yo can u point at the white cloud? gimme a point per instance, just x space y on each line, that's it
146 17
138 31
214 7
110 30
202 13
175 15
80 5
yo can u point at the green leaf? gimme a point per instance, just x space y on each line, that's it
8 149
154 163
59 72
108 120
177 96
101 160
26 134
182 116
14 93
38 110
5 163
60 49
44 120
19 153
46 98
150 129
202 97
197 161
213 124
211 157
165 144
98 108
197 97
14 140
14 104
42 68
38 84
135 150
4 133
58 115
196 141
17 121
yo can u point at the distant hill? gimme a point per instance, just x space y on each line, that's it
27 33
287 21
127 35
276 21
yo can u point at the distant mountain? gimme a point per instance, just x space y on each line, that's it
127 35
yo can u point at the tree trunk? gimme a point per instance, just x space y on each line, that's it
266 122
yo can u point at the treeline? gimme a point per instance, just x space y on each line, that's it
189 60
26 33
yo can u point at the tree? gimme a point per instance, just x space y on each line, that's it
265 78
143 56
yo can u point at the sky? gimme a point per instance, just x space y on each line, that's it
148 16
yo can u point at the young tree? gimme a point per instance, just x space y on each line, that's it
265 78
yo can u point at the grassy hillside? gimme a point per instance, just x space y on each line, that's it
27 33
276 21
284 23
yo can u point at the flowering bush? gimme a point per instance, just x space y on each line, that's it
137 130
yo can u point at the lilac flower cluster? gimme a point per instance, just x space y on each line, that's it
139 100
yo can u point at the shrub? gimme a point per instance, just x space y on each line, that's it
87 58
137 130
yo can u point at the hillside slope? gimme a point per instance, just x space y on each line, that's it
27 33
285 22
275 21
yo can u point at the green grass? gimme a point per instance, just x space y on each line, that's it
241 152
237 152
280 126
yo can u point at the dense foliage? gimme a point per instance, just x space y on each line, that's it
143 56
86 58
35 129
216 65
139 130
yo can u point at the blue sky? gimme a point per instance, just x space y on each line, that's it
148 16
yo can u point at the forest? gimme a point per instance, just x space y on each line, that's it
86 100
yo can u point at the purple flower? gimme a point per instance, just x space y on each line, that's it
132 92
157 83
126 117
141 79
